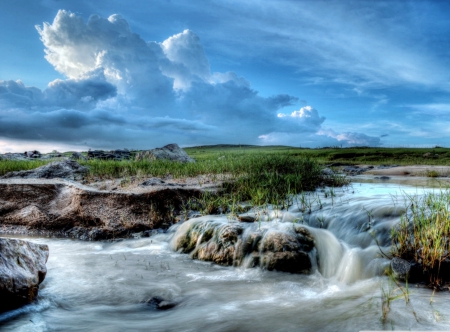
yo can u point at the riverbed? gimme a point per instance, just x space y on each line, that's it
109 286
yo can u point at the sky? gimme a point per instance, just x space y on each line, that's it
108 74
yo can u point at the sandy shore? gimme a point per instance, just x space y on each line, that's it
415 170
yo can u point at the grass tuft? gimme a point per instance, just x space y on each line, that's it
423 235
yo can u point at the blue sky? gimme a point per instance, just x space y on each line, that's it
115 74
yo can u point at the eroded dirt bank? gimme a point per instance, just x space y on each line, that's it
66 208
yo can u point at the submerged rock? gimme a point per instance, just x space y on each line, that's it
22 269
284 247
169 152
66 169
159 303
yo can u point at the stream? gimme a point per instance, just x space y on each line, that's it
106 286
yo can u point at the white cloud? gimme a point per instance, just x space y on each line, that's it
306 116
121 90
351 138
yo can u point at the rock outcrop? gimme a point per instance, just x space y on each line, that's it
284 247
66 169
169 152
109 155
62 208
22 269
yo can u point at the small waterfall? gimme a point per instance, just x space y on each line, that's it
329 251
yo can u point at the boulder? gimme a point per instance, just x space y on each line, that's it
22 269
77 156
14 156
66 169
169 152
32 154
283 248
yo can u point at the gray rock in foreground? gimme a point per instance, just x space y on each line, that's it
169 152
66 169
22 269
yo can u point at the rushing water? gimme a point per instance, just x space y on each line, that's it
103 286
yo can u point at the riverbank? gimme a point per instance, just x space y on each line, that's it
110 284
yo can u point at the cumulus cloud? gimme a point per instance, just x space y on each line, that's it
351 138
121 90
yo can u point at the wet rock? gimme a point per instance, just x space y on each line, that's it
169 152
158 303
246 218
400 268
354 170
382 177
66 169
22 269
285 248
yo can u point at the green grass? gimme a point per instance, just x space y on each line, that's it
357 155
423 234
257 176
19 165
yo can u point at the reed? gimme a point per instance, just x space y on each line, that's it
423 233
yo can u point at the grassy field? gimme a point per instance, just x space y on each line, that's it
357 155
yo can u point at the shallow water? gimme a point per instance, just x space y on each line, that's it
101 286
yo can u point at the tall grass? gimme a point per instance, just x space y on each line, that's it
7 166
423 234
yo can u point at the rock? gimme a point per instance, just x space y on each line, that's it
159 303
169 152
246 218
285 248
22 269
61 208
152 182
14 156
109 155
400 268
32 154
382 177
354 170
66 169
327 172
77 156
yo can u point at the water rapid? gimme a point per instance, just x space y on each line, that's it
109 286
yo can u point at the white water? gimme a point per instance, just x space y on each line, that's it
99 286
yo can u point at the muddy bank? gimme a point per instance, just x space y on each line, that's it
58 207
